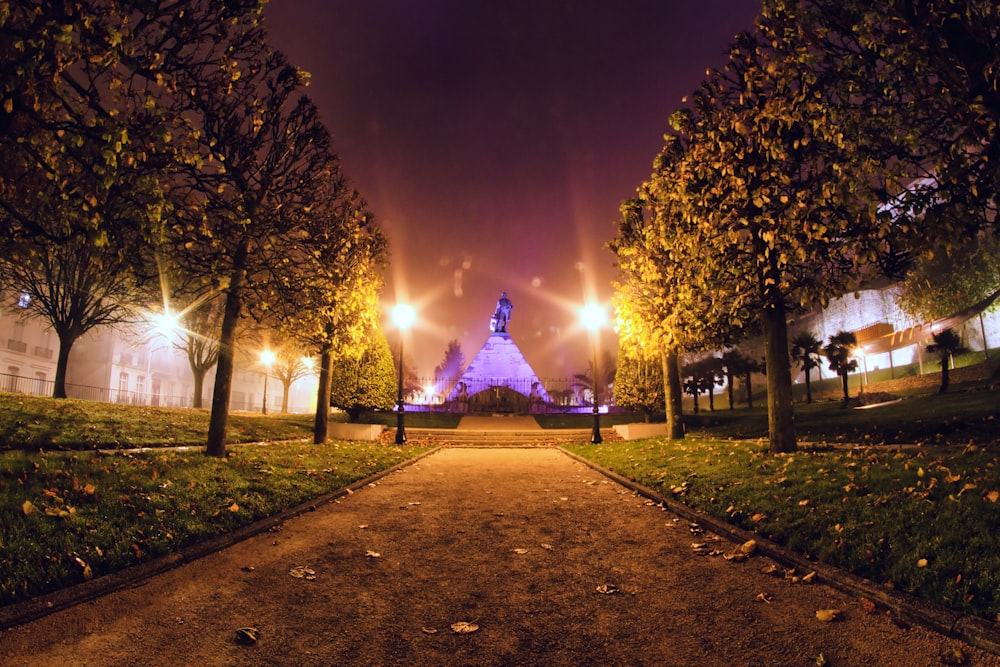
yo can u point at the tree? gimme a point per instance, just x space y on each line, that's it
945 281
75 287
290 365
364 377
451 367
199 339
256 193
605 377
639 383
839 351
700 376
945 344
79 187
735 364
806 350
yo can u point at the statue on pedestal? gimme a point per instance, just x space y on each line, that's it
501 316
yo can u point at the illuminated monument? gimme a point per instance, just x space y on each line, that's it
499 378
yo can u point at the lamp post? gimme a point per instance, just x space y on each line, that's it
403 317
592 317
266 358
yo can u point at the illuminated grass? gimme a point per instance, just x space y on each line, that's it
69 516
34 422
877 512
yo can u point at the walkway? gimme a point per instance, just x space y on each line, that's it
553 563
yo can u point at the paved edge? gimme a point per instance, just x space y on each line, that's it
972 630
43 605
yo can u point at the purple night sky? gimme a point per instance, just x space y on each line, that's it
494 141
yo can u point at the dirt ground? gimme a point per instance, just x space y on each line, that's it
550 562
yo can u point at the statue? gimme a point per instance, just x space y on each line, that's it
501 316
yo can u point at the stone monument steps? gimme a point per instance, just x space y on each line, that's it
503 438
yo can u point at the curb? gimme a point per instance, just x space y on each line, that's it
43 605
972 630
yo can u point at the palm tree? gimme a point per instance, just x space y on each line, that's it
735 366
806 350
839 351
946 343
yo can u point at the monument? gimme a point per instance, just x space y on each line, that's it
499 378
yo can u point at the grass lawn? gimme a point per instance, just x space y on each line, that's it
921 519
34 422
71 515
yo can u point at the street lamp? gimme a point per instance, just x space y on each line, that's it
266 358
592 317
402 316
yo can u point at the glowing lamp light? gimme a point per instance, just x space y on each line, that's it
592 317
403 315
267 358
165 323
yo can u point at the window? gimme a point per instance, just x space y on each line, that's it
123 387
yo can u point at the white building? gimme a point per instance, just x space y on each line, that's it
113 365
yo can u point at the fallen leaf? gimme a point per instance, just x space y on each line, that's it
234 508
28 507
547 547
749 547
464 627
867 605
520 551
247 636
953 656
247 568
968 486
771 569
763 597
428 631
89 490
372 554
821 661
363 526
827 615
922 562
809 578
303 572
993 496
608 589
757 518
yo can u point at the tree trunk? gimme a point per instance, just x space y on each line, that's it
749 388
711 398
199 385
945 379
286 386
672 393
696 392
780 415
843 386
730 380
62 361
322 421
219 419
809 396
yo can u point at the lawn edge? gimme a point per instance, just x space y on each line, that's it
30 610
972 630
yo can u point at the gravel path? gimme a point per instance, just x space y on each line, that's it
550 562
